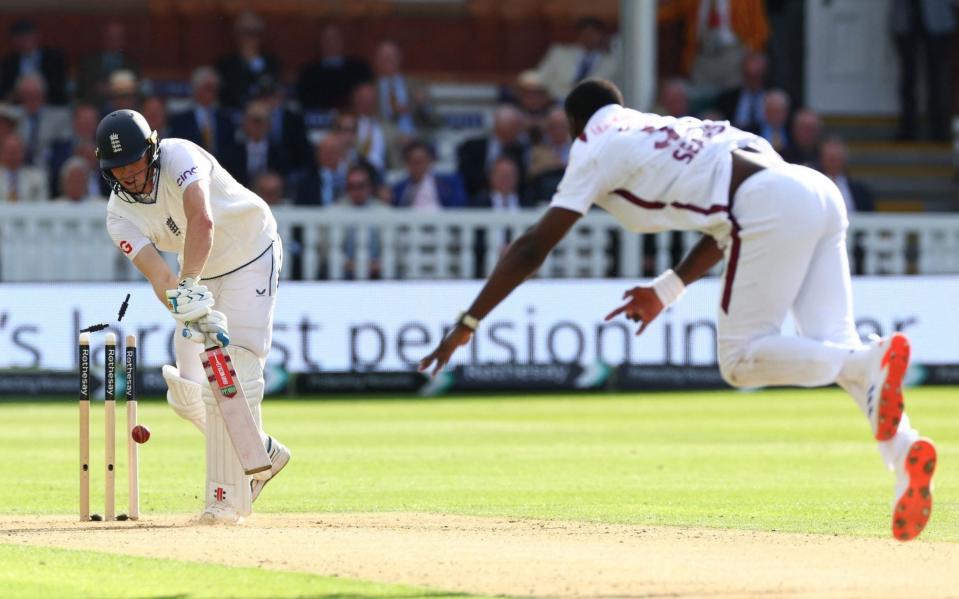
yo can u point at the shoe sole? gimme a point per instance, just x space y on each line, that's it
914 506
289 456
896 363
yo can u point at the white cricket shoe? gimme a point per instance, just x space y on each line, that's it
886 367
280 456
215 514
913 504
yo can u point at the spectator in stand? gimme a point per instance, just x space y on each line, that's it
360 196
154 111
833 160
565 65
424 189
505 192
328 83
74 176
9 120
395 98
806 132
269 186
504 195
930 24
286 126
322 184
241 72
534 101
775 129
18 181
29 57
370 137
93 76
743 106
717 34
403 103
205 123
548 158
124 92
84 129
475 156
41 124
674 98
254 152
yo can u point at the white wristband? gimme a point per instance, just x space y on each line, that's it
668 287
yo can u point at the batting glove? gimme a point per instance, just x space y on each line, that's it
210 330
189 301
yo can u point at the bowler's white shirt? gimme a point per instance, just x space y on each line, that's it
655 173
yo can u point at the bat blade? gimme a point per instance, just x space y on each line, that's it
235 411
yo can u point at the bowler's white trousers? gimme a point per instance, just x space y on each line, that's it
787 254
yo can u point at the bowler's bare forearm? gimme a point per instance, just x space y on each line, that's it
699 261
522 259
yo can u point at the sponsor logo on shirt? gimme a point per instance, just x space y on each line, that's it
125 247
184 175
170 224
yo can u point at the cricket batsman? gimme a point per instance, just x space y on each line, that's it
171 195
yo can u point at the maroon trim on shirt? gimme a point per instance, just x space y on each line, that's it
582 136
735 240
639 201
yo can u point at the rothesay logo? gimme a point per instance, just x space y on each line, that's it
115 143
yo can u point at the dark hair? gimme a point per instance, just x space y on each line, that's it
589 96
590 22
359 167
418 144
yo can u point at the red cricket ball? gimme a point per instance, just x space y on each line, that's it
140 433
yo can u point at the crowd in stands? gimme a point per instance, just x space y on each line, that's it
297 143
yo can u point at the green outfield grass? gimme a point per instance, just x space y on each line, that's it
799 461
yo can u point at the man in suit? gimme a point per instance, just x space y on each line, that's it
743 106
930 24
241 71
204 123
41 124
29 57
153 109
73 177
19 182
94 73
565 65
323 184
287 128
475 156
328 83
833 160
254 152
775 126
804 142
423 189
82 135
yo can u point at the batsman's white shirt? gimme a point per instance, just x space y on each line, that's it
244 227
654 173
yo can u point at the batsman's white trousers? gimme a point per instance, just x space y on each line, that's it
247 297
787 254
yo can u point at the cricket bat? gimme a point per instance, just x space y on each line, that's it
235 411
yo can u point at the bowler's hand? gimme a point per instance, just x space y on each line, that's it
643 306
460 335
